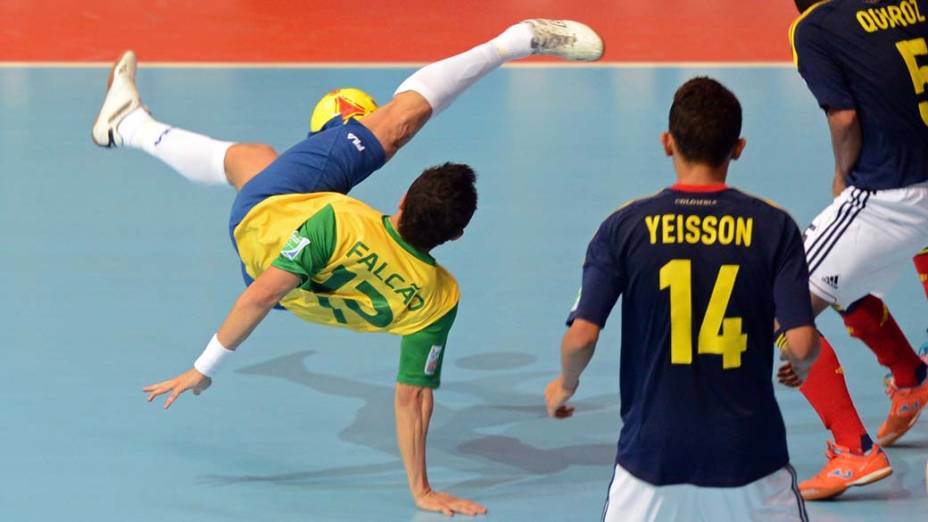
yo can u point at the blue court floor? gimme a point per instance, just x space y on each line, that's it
115 272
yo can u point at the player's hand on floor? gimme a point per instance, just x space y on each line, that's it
448 505
556 397
189 380
788 377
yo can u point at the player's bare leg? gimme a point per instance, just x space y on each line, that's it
397 122
431 89
124 121
244 161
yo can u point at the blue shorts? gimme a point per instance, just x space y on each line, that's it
335 159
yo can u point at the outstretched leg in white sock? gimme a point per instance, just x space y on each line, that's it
432 88
197 157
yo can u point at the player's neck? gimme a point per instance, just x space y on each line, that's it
395 222
699 174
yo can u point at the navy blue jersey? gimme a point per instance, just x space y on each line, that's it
702 275
872 56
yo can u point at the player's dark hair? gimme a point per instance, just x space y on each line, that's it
705 121
802 5
439 204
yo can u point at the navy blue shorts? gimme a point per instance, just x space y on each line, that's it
335 159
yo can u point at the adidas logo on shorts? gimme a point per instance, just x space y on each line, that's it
831 281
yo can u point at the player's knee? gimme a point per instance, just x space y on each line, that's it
249 152
397 122
244 160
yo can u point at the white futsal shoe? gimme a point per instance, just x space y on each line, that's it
122 97
565 38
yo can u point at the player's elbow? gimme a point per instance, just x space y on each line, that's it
803 343
842 119
582 335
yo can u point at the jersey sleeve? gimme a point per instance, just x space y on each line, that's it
422 353
793 304
603 278
819 67
310 247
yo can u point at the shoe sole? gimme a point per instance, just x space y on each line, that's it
588 45
112 115
876 476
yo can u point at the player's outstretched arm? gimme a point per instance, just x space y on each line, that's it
577 349
413 406
249 310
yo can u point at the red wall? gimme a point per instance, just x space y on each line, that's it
379 31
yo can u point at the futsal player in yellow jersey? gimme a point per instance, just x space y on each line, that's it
328 258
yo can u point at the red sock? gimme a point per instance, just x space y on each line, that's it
921 266
826 391
870 321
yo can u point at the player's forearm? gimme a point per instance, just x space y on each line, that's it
254 304
846 140
803 343
577 349
839 183
413 408
574 360
245 316
802 349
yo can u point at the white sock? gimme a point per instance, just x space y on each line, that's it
515 42
196 157
441 82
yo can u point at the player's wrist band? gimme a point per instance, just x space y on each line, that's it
211 358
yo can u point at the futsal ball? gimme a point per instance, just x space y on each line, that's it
347 103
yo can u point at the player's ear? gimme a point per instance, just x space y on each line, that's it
402 202
739 148
667 142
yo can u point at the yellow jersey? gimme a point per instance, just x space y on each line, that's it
356 271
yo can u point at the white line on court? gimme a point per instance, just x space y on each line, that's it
397 65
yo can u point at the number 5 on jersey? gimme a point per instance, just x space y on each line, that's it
718 335
911 50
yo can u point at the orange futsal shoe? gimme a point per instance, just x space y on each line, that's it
845 469
907 405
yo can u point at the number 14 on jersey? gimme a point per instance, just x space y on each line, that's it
718 335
